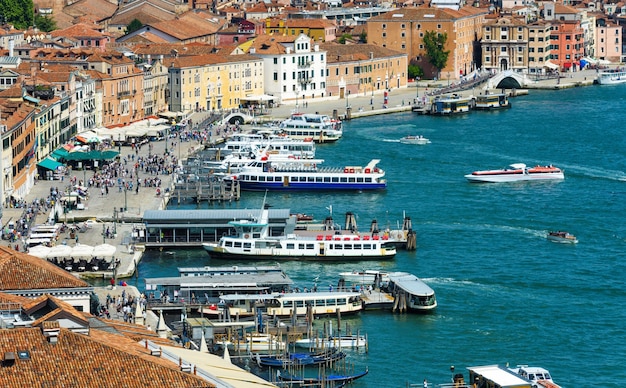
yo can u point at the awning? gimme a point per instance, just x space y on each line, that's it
551 65
59 153
567 65
259 97
50 164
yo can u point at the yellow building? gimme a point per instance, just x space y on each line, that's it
212 81
320 30
403 30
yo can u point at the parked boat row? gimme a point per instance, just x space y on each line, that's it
454 104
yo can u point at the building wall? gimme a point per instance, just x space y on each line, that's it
538 47
505 45
567 44
609 43
122 94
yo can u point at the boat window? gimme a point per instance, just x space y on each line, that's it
228 243
237 244
311 179
326 179
360 180
293 178
287 303
318 179
320 302
357 246
341 301
310 246
368 180
367 246
347 246
253 178
261 179
277 179
547 376
302 179
301 246
351 179
291 246
331 302
338 246
299 303
335 179
344 180
247 245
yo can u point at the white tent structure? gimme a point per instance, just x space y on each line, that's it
82 251
59 251
104 250
40 251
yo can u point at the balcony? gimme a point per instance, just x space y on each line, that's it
304 64
304 80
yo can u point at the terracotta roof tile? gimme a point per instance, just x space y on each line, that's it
19 271
96 360
79 31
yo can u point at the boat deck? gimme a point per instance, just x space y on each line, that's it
376 300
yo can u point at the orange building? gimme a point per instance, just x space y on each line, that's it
403 30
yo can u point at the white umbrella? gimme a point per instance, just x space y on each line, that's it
81 250
60 251
40 251
104 250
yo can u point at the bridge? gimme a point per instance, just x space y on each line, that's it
237 117
509 80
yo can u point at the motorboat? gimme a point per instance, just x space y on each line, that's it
540 377
492 101
326 357
364 277
517 172
562 237
611 77
293 174
414 139
252 240
411 293
333 342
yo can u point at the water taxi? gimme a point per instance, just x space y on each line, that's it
611 77
307 174
448 105
562 237
253 240
411 293
492 101
517 172
320 128
290 303
411 139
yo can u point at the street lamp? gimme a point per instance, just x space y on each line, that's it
125 199
166 136
119 143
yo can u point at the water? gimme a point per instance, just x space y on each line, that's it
505 293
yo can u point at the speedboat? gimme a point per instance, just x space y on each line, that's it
517 172
540 377
411 139
562 237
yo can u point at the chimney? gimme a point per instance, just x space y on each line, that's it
51 330
11 47
9 359
371 55
252 50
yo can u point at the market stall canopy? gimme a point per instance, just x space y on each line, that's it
104 250
92 155
551 65
60 251
40 251
81 250
50 164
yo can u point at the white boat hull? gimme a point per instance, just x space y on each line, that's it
612 78
514 178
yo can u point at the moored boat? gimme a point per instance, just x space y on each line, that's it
562 237
256 342
320 128
368 277
611 77
322 381
448 105
253 240
517 172
540 377
326 356
289 303
414 139
492 101
411 293
308 175
333 342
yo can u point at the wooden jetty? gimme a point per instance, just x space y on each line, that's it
207 189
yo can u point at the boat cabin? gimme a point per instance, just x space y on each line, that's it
496 376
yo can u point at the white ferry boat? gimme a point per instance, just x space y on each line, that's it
307 174
368 276
540 377
517 172
288 304
448 105
611 77
271 144
319 128
492 101
253 240
419 296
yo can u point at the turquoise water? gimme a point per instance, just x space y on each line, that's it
505 293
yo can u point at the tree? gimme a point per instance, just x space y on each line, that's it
45 23
363 37
343 38
434 44
133 26
19 13
414 71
